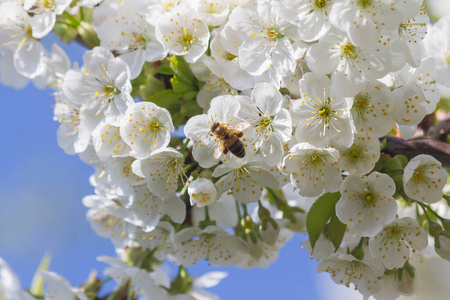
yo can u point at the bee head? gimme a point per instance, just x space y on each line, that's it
214 126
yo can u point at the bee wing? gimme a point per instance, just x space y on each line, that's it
240 126
217 149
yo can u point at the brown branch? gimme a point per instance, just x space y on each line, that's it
440 131
413 147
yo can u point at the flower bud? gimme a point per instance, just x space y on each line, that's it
139 258
446 224
202 192
435 229
408 282
269 231
442 245
182 283
88 34
255 246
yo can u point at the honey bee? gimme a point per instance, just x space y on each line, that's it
227 139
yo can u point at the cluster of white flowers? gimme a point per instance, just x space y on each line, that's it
279 100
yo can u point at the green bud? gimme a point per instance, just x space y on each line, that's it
205 223
253 237
182 283
92 285
37 285
434 229
358 251
66 33
140 258
446 224
206 173
270 232
263 213
88 34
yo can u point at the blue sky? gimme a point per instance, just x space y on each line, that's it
41 189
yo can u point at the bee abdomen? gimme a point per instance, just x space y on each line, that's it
235 146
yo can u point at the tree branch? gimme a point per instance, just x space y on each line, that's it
413 147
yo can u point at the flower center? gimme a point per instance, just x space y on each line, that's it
202 197
187 39
273 33
354 154
447 60
316 160
153 126
168 6
363 3
265 123
369 199
419 175
361 104
324 111
393 231
320 4
348 51
109 90
228 56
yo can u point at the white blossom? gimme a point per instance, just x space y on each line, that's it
213 243
367 202
349 64
103 84
10 285
424 179
363 21
202 192
345 269
224 110
361 156
57 287
311 17
321 118
437 45
162 171
17 34
313 169
396 241
372 109
266 44
183 32
132 37
146 128
272 123
246 182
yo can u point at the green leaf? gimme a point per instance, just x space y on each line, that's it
181 86
152 86
190 96
164 98
336 231
164 68
381 163
319 214
394 168
190 108
181 69
398 161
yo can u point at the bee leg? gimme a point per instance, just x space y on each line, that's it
239 133
224 149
